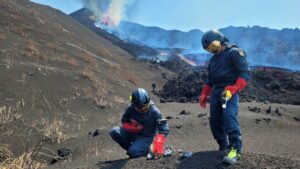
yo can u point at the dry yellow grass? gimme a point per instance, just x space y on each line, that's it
90 60
32 49
73 63
7 115
26 160
90 75
55 130
101 102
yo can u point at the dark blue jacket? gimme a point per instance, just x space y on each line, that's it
148 120
226 67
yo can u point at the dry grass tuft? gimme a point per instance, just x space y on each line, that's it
32 49
101 102
7 115
119 100
73 63
55 130
90 75
90 60
26 160
5 153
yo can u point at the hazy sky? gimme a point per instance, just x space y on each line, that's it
204 14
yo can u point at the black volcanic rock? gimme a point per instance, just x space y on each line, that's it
268 84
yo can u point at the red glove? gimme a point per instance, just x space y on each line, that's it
158 145
206 91
239 85
133 126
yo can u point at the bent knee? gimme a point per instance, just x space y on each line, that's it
114 131
134 152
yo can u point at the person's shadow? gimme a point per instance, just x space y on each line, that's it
206 159
200 160
117 164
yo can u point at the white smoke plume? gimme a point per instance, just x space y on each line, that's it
109 12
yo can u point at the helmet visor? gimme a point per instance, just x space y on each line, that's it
142 108
214 47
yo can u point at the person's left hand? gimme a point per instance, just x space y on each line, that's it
230 91
158 145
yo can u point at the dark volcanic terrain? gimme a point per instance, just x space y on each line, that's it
62 87
267 84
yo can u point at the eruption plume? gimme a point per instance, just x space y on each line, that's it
108 12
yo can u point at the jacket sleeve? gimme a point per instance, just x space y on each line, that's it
239 59
125 117
208 80
163 127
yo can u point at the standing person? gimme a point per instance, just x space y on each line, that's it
141 125
153 87
228 73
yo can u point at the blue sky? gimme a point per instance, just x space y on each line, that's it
204 14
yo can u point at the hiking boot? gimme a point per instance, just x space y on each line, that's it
223 145
231 157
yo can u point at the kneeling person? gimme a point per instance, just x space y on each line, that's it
140 127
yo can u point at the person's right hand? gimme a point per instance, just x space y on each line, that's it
203 100
206 91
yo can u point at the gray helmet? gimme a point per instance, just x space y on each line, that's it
212 35
140 97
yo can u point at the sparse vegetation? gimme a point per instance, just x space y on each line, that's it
31 48
73 63
55 130
88 74
26 160
101 102
90 60
7 115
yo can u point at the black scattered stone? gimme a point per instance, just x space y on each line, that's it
54 160
183 112
257 121
169 117
269 110
96 133
202 115
179 125
278 112
296 118
64 152
163 101
268 120
255 109
29 73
